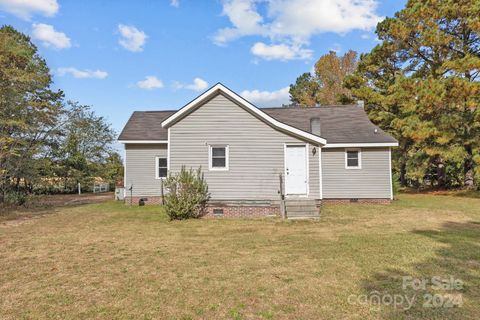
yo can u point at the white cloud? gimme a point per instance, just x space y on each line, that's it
50 37
175 3
82 74
365 36
150 83
297 20
131 38
197 85
294 22
280 52
267 98
244 18
24 9
303 18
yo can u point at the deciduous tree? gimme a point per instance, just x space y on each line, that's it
326 85
85 147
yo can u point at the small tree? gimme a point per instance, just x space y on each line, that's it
187 194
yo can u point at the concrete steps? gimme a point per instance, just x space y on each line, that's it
302 209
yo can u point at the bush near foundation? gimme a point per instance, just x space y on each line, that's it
186 194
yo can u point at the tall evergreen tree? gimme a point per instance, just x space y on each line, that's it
421 84
29 109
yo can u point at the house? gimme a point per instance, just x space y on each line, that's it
329 153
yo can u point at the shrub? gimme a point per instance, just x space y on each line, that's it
186 194
15 198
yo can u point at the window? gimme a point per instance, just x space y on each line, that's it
161 167
218 158
353 159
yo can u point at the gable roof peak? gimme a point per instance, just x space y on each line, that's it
242 102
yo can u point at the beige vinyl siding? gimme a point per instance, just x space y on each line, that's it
140 168
256 151
371 181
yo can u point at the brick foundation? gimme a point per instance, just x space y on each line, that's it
231 211
254 210
151 200
360 201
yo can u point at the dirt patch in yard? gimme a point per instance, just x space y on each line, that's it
74 199
46 205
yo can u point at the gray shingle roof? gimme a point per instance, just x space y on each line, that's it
339 124
146 125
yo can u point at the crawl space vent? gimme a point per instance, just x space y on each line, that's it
218 212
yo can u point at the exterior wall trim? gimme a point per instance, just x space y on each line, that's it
124 172
168 151
142 141
307 161
320 172
359 145
353 201
235 97
390 170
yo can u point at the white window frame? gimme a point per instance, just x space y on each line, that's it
359 159
210 167
157 171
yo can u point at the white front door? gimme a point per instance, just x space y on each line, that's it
296 169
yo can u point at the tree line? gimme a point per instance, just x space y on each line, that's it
47 144
420 84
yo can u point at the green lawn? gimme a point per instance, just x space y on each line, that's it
110 261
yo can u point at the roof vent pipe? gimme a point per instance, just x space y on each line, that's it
315 126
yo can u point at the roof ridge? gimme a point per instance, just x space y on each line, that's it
271 108
154 111
313 108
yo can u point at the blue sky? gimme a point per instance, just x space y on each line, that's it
121 56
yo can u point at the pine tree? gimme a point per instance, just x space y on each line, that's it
29 109
421 84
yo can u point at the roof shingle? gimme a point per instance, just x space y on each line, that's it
146 125
339 124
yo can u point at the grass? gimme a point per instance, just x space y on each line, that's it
109 261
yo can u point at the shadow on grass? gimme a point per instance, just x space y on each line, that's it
467 194
458 257
462 193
